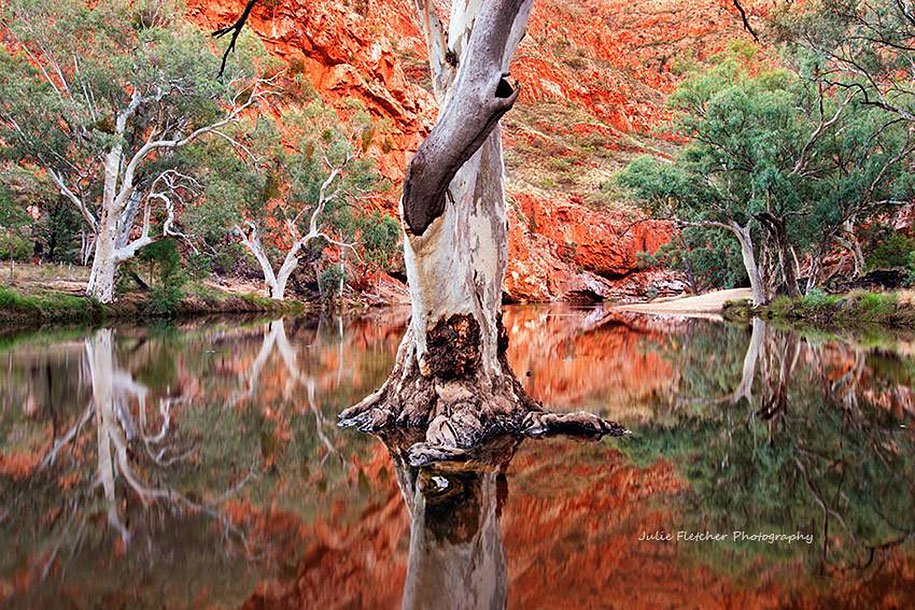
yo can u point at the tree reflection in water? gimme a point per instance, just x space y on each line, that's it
798 445
457 557
126 450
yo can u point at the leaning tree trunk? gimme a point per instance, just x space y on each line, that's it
748 255
451 376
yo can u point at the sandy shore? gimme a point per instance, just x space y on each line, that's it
705 305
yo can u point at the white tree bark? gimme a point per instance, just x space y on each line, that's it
276 281
457 558
117 210
451 377
748 255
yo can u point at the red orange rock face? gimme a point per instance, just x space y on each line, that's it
595 77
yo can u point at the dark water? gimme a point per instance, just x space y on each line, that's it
199 466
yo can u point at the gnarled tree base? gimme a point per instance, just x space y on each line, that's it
454 408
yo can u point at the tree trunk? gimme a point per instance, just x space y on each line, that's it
104 265
457 557
747 252
744 389
451 377
278 290
776 228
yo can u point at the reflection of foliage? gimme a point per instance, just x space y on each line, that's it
805 454
215 478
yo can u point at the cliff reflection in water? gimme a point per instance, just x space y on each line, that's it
201 465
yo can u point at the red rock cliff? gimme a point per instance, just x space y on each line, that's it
595 76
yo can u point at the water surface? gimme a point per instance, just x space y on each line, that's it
199 465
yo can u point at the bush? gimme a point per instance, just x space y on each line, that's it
330 282
877 304
817 299
889 248
16 247
379 234
166 292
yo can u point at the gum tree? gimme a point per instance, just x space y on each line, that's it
451 381
100 97
778 160
300 186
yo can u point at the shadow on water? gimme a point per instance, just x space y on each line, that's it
201 465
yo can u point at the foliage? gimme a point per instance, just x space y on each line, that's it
708 257
277 187
776 151
99 97
165 260
817 299
378 237
863 47
888 248
331 278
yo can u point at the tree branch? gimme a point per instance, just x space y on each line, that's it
235 29
481 95
151 145
746 20
73 198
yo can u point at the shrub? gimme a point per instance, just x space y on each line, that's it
330 282
166 292
817 299
877 304
888 248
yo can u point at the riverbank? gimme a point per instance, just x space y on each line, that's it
708 305
857 309
43 306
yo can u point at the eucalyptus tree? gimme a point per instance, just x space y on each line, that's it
100 96
778 160
866 48
302 183
451 379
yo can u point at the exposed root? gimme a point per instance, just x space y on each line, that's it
450 421
453 408
580 423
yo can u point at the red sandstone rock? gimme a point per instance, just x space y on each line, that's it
611 61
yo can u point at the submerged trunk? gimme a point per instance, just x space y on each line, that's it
451 377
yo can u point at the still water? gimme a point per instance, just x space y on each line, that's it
198 465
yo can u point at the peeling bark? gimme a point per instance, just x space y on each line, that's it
451 380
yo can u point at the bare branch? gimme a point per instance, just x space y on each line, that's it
746 20
73 198
235 30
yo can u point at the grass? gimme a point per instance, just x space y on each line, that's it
856 309
50 306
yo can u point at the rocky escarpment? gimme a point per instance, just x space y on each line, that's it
595 76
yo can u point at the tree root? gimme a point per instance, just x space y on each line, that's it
452 423
451 409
